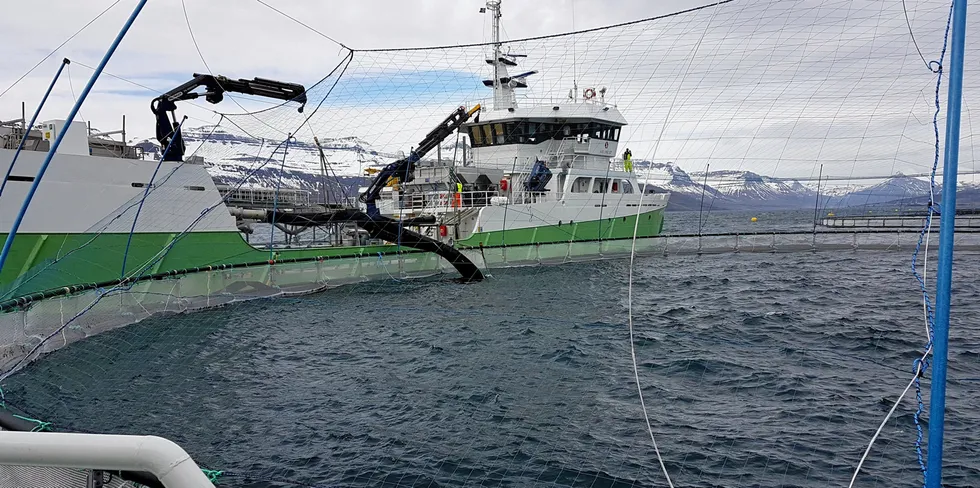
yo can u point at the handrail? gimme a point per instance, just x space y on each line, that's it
445 199
162 458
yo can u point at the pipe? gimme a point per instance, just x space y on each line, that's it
61 135
27 128
156 455
944 268
248 213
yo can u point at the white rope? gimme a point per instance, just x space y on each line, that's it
636 371
918 370
918 367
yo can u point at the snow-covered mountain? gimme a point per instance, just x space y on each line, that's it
746 186
232 158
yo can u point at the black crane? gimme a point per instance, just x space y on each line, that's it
404 168
214 90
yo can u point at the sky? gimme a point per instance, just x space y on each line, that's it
773 87
244 39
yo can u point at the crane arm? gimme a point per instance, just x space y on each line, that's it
404 168
214 90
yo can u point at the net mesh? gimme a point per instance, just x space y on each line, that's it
401 378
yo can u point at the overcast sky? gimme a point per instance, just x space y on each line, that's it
776 87
243 39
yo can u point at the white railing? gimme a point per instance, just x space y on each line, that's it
620 165
264 197
446 201
170 464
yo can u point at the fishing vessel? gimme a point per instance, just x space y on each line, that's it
541 183
416 215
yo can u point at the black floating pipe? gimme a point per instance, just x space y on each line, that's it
395 231
9 421
313 219
380 227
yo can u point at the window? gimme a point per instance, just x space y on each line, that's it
627 186
600 185
486 135
476 136
515 132
581 185
526 132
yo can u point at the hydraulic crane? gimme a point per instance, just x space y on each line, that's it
404 168
379 226
215 88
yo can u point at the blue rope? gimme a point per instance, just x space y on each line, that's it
27 128
275 198
937 68
919 409
57 142
146 193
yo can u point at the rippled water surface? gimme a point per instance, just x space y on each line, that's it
757 370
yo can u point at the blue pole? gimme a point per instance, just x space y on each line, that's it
61 135
27 128
944 270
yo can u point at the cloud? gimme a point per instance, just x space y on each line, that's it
775 87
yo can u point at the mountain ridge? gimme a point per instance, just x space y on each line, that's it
230 158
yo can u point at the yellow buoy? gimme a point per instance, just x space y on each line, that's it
754 219
830 214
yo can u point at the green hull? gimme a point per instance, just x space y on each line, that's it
42 262
650 225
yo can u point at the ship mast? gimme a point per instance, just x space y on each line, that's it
503 83
499 98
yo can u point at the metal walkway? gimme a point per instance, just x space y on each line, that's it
903 239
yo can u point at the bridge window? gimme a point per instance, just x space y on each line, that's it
476 136
518 132
527 132
532 132
627 186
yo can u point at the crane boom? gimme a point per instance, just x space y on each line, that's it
215 88
404 168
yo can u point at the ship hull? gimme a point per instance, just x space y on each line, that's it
46 263
98 251
81 307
